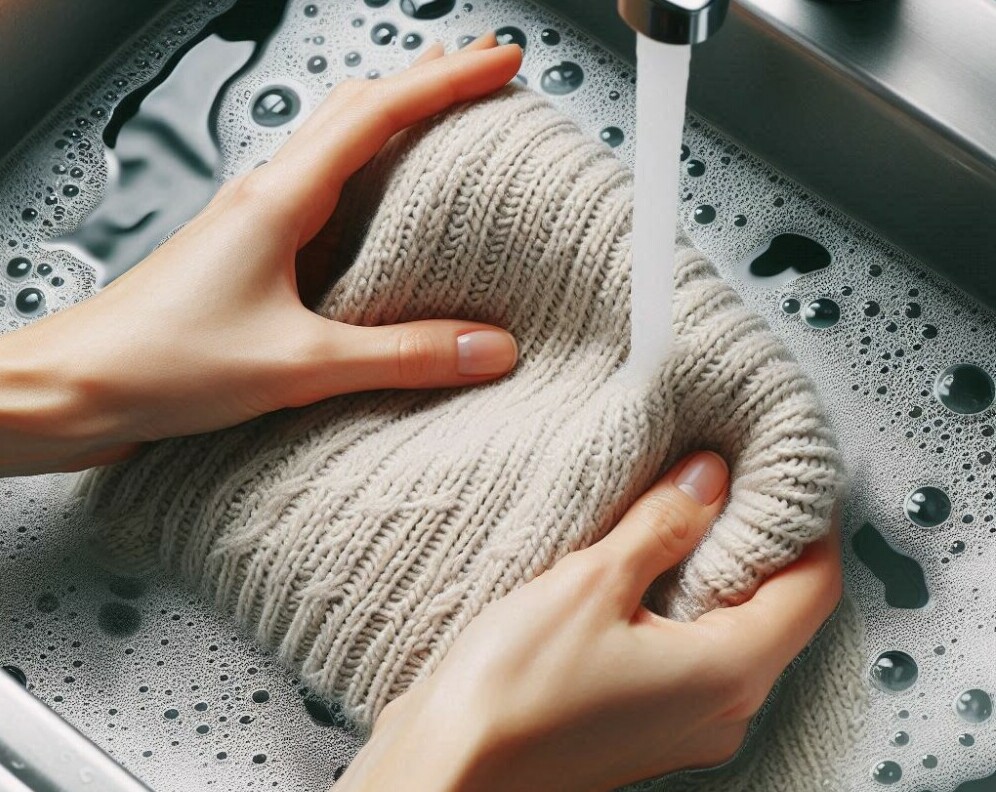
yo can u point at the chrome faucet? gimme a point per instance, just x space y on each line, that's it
674 21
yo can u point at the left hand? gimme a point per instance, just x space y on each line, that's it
210 330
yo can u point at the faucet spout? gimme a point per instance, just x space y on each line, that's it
674 21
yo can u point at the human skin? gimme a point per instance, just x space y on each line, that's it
212 329
568 683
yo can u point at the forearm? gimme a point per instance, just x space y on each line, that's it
50 419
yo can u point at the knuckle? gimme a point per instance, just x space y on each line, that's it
669 523
418 357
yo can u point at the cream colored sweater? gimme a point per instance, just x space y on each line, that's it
359 536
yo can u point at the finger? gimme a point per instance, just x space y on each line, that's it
424 354
772 627
668 521
434 51
360 116
487 41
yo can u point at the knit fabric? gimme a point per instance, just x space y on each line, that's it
359 536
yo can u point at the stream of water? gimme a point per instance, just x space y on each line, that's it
661 86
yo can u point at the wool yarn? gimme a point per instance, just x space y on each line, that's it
359 536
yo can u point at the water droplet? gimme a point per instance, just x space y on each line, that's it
550 37
44 270
695 167
311 10
29 301
913 310
612 136
353 59
383 33
463 41
894 671
70 190
261 696
376 3
965 389
171 714
822 313
18 268
614 95
871 308
203 729
929 761
259 758
118 619
974 706
564 78
29 215
929 331
704 214
411 41
900 738
511 35
957 547
274 106
928 506
76 173
201 706
887 772
967 740
740 220
685 152
317 64
427 9
874 270
985 457
791 305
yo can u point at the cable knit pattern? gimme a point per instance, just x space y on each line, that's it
359 536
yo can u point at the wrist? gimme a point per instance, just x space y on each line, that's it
415 746
48 413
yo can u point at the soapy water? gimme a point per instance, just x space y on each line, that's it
897 354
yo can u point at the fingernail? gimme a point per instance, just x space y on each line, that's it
485 352
703 478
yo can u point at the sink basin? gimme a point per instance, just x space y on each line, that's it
786 183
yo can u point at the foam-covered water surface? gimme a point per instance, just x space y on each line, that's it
905 363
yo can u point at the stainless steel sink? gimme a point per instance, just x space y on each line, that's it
867 127
884 108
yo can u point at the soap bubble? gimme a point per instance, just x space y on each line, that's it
894 671
887 772
965 389
275 105
822 313
564 78
928 506
974 706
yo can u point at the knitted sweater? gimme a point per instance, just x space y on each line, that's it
359 536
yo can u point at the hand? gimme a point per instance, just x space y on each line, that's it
569 683
210 330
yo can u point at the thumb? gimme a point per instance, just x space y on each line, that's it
668 521
437 353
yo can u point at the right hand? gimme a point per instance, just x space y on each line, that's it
569 683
